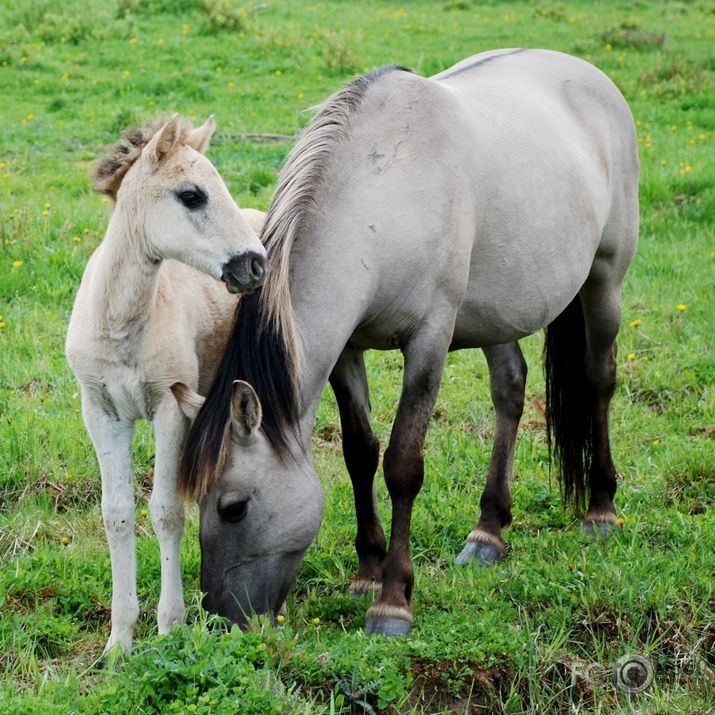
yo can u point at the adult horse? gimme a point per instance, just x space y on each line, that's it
465 210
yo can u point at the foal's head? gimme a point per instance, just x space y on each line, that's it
178 204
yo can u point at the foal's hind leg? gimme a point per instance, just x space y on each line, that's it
601 302
112 439
361 450
507 374
167 510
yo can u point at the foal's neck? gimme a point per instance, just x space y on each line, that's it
125 280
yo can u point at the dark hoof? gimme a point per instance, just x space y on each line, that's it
361 588
483 554
388 627
599 529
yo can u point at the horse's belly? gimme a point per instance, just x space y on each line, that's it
501 306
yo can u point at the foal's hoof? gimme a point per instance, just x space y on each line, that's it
483 554
599 529
386 626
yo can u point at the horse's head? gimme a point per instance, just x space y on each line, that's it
171 195
258 516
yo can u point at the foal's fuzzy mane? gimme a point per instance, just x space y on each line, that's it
264 347
119 157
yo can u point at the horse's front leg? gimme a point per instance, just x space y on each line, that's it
507 375
167 510
361 450
112 439
403 465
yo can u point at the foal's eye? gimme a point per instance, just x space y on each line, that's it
192 198
234 511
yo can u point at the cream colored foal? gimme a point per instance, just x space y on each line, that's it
149 312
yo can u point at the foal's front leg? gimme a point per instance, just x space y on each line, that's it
167 510
361 450
403 465
507 375
112 439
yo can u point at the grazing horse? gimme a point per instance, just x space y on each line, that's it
464 210
147 315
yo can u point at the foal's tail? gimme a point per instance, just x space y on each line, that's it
568 407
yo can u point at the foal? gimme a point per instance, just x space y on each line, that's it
142 321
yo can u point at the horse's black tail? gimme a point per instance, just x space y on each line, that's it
568 407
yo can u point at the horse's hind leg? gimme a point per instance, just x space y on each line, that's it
507 374
361 450
167 510
601 303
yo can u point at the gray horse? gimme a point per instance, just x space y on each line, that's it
465 210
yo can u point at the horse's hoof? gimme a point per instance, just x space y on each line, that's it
365 587
599 529
385 626
483 554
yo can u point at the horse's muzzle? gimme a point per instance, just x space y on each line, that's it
244 273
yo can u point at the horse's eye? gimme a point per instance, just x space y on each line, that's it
192 198
233 512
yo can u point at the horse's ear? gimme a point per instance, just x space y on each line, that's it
200 138
189 401
246 411
163 141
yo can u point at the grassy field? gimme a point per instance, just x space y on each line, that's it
540 632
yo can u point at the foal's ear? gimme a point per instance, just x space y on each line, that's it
246 411
189 401
200 138
163 141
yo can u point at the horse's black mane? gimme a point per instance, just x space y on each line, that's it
259 350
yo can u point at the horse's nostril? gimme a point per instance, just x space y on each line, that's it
257 268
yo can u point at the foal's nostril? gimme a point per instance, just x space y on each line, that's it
257 268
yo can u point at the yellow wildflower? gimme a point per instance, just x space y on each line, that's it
682 307
230 85
76 239
280 618
634 323
621 521
133 41
144 513
631 356
45 212
17 264
656 442
673 128
46 205
316 621
65 539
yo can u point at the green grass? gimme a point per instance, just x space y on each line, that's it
73 75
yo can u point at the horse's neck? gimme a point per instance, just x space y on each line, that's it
124 282
327 294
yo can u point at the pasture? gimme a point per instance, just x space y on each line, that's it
540 632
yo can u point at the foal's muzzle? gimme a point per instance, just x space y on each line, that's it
244 273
